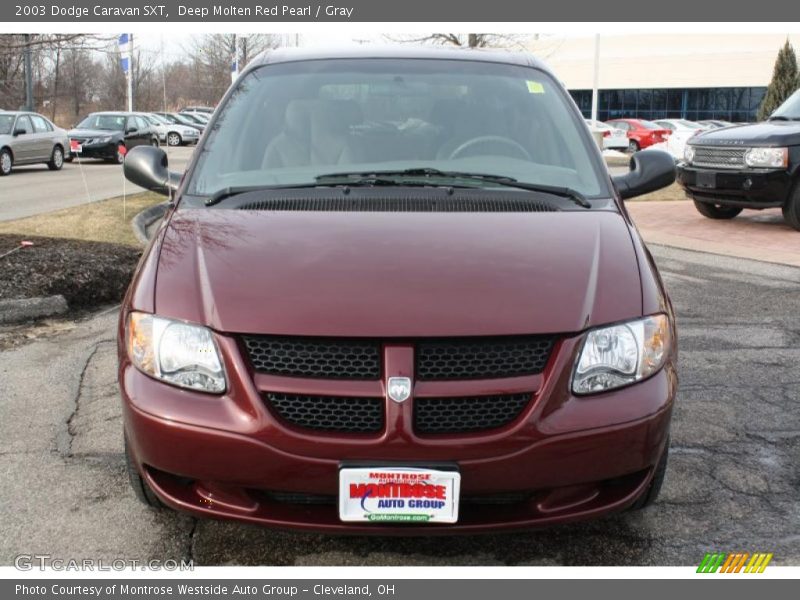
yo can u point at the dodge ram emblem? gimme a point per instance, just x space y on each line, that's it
398 388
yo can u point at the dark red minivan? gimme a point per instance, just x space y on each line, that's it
397 292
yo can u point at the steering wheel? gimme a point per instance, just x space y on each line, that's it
491 139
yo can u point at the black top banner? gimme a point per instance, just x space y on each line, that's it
453 11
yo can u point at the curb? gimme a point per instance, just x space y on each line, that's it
28 309
146 218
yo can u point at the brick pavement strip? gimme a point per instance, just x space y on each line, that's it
758 235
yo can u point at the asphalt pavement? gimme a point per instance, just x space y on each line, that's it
732 484
34 189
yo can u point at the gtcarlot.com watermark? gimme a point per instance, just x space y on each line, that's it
30 562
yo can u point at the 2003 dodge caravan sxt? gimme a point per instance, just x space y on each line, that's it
397 292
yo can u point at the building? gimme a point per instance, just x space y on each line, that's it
653 76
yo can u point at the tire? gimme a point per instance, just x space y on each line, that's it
143 493
650 495
633 146
716 211
174 139
119 156
791 210
56 159
6 162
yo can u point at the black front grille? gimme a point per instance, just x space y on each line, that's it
468 414
476 358
335 414
320 358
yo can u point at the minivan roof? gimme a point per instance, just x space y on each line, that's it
284 55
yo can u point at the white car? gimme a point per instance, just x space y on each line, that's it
172 134
681 131
613 138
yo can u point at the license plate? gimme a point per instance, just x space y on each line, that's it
706 180
75 147
398 495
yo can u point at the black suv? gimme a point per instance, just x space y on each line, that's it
109 135
749 166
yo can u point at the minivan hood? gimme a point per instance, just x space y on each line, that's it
768 133
363 274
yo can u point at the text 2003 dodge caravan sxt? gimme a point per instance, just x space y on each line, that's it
397 293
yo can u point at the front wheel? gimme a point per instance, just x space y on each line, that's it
119 155
633 146
6 162
716 211
56 159
174 139
791 210
650 495
140 488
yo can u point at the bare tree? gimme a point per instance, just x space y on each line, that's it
467 40
211 57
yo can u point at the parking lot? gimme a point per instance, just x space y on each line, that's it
34 189
731 485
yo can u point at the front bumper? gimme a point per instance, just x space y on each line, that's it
105 150
565 458
746 188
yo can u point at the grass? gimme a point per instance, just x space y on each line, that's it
103 221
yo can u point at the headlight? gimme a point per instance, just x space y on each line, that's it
622 354
771 158
688 154
176 352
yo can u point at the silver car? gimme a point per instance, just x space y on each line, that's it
28 138
172 134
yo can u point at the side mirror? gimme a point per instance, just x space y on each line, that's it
650 170
18 132
147 167
131 130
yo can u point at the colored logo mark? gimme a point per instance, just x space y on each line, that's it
737 562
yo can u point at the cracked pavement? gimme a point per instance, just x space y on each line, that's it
733 481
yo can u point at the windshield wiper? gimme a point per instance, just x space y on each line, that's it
229 192
353 177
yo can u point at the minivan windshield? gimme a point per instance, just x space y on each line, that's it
296 122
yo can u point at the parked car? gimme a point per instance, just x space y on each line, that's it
204 118
399 294
28 138
751 166
715 124
110 135
681 131
172 134
198 109
193 118
680 125
180 119
613 138
641 133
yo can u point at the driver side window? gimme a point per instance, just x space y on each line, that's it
24 125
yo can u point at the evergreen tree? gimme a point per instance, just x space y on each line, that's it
785 80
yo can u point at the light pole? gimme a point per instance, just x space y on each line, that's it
596 75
